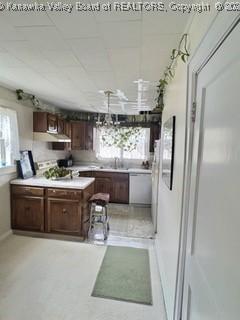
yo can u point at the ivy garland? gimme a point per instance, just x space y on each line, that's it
169 72
125 138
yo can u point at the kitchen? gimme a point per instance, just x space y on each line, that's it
51 209
118 161
109 176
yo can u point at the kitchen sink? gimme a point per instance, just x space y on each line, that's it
112 168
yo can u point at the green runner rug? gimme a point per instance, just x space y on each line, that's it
124 275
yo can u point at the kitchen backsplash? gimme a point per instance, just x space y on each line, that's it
42 151
89 157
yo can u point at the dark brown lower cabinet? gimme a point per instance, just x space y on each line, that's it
28 213
103 185
57 210
64 216
114 183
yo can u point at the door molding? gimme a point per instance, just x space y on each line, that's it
219 30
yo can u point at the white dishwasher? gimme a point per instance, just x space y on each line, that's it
140 188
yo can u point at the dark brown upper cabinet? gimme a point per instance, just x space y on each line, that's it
61 125
45 121
80 132
89 136
82 135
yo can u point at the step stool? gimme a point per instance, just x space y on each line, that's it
98 213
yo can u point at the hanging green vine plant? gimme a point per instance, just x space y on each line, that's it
169 72
121 137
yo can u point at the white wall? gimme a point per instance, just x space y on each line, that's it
40 150
170 202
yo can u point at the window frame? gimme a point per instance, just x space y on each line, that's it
10 168
121 151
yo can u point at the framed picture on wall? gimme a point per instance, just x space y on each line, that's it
168 151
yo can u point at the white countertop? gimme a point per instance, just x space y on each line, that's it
75 183
122 170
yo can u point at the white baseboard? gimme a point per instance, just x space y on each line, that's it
5 235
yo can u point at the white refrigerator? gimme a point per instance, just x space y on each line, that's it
155 183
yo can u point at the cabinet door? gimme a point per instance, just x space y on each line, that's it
52 122
61 125
78 135
88 136
28 213
120 192
64 216
40 121
103 185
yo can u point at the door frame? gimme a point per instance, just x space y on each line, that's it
220 28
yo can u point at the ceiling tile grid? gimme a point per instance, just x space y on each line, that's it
70 59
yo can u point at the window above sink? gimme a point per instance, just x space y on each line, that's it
139 152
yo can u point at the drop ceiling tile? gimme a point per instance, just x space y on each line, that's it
8 60
61 58
16 45
116 14
103 80
94 62
125 80
80 78
152 73
23 50
61 99
8 32
156 22
69 62
27 79
60 81
42 65
125 59
121 34
26 18
45 38
164 42
88 46
153 63
75 25
2 50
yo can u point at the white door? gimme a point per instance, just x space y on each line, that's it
212 273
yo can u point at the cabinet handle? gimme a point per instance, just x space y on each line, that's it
64 211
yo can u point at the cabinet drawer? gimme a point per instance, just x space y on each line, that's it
27 191
85 174
65 194
102 174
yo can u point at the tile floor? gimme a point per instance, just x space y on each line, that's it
45 279
127 221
